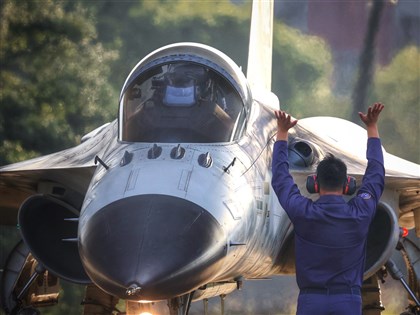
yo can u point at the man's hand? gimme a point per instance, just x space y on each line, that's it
371 118
284 123
372 115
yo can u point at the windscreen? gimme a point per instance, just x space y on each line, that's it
181 102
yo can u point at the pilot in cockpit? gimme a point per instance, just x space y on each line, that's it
186 85
181 102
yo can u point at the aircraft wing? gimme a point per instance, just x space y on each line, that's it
347 141
67 172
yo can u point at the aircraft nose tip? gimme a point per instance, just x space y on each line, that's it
152 246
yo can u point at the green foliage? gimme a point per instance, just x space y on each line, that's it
302 67
54 78
13 151
138 27
397 85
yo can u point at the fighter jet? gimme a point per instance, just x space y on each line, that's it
172 201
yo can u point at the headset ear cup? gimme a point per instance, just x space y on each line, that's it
349 187
312 184
316 184
346 186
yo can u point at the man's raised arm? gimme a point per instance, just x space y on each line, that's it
370 119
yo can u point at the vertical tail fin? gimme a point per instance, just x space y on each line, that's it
260 53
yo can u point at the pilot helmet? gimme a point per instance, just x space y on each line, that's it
185 84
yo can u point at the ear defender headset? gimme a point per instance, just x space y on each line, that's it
312 185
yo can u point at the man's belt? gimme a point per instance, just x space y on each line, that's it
331 291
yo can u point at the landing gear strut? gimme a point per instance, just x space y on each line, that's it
398 275
180 305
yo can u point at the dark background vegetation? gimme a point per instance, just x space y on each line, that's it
62 64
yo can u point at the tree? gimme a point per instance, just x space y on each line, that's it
397 85
54 78
302 67
136 28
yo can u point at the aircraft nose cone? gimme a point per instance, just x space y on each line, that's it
151 247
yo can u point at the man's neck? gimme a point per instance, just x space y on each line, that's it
330 192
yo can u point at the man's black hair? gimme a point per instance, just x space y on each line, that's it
331 173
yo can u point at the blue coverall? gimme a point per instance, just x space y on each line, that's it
330 235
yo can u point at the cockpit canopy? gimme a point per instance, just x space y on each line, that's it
181 101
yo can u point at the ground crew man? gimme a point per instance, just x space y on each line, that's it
330 233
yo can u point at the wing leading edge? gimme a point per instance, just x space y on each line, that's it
66 173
